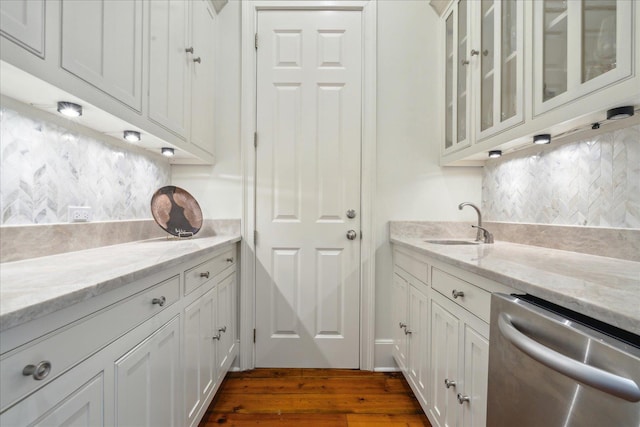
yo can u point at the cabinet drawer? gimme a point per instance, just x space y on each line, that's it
412 265
196 276
69 345
475 299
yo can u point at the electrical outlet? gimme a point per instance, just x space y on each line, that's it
79 213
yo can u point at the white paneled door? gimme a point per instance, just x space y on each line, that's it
309 102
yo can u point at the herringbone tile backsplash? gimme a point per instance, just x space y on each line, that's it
45 168
594 182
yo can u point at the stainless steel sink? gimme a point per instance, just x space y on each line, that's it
452 242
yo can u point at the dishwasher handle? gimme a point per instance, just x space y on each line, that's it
607 382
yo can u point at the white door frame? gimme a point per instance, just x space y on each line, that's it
249 22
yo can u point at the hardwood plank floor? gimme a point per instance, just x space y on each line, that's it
314 397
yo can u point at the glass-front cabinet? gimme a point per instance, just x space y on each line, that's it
483 70
580 46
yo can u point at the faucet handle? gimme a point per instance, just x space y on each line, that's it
488 237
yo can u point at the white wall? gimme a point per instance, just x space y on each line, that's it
218 188
410 184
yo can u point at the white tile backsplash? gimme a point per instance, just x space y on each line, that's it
593 182
45 168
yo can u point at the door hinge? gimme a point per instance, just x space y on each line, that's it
254 335
255 237
256 41
255 140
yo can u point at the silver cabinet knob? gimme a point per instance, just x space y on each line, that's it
205 274
189 50
462 398
351 213
351 234
198 60
160 301
464 62
475 52
408 331
39 371
448 383
457 294
217 337
223 329
402 325
230 260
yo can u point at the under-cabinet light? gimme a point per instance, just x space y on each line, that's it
620 112
543 138
132 135
168 152
494 154
69 109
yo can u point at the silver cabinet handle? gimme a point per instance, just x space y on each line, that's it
223 329
462 398
229 260
39 371
351 234
217 337
160 301
448 383
457 294
607 382
408 331
198 60
205 274
475 52
402 325
189 50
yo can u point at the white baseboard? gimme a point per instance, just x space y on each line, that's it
383 361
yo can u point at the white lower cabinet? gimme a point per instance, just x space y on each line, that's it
143 355
147 380
441 336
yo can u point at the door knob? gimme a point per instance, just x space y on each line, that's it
351 234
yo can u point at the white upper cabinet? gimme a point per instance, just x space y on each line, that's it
579 47
22 21
169 65
102 44
202 75
483 70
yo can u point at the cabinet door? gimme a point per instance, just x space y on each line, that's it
444 365
579 47
476 368
500 77
226 322
147 379
202 76
102 44
23 22
400 320
418 342
199 353
83 407
458 62
169 64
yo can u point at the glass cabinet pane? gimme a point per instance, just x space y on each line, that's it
555 42
509 59
487 66
462 71
448 133
598 38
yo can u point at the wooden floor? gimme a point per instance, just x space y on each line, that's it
314 397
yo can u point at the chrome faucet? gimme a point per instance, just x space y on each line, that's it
479 234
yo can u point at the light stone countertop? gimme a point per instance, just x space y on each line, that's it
35 287
607 289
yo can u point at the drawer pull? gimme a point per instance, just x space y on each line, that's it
39 371
223 329
402 325
205 274
160 301
462 398
448 383
230 260
217 337
457 294
408 332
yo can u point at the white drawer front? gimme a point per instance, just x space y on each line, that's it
200 274
473 298
68 346
412 265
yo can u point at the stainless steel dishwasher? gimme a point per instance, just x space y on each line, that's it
550 367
